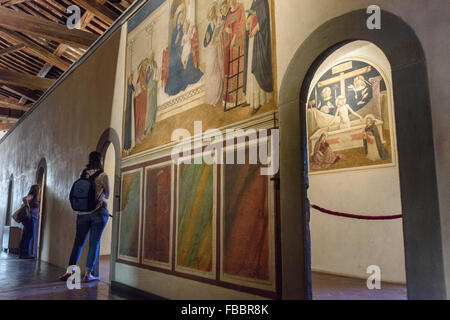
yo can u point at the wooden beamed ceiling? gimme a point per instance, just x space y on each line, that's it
36 46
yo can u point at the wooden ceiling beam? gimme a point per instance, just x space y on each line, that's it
37 50
6 126
29 94
11 49
12 2
98 9
22 22
11 103
9 77
8 119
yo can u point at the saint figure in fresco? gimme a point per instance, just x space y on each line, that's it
141 102
213 56
233 39
152 93
373 147
182 71
259 76
323 156
129 115
342 111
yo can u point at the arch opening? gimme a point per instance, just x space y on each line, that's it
353 167
423 260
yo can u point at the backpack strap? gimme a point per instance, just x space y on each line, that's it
95 175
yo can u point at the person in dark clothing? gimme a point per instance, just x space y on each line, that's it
32 200
92 223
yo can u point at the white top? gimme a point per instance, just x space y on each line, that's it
102 190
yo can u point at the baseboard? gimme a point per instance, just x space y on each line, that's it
137 294
347 275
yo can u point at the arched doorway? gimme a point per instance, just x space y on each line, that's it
109 147
39 232
353 168
424 259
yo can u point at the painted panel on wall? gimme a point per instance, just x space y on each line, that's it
129 226
195 219
350 119
157 219
213 58
247 227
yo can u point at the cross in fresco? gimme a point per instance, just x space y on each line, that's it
342 77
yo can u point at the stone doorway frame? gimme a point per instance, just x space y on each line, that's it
420 205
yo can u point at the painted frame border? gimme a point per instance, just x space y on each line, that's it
271 284
150 262
124 257
181 269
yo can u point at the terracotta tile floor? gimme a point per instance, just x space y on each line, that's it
332 287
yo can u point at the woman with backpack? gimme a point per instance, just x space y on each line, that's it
90 222
32 200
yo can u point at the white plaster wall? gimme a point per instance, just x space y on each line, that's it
63 130
297 19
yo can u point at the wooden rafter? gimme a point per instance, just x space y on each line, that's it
12 103
11 49
9 77
98 9
22 22
36 49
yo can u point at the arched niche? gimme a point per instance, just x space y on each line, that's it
422 237
110 137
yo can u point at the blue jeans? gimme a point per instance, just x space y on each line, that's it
92 223
27 235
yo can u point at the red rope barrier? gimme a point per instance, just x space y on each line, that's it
355 216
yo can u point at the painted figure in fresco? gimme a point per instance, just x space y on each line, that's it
165 68
259 83
373 147
152 92
141 102
327 106
323 156
342 111
360 90
213 56
233 39
129 115
182 70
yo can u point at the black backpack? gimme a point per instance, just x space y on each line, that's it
82 195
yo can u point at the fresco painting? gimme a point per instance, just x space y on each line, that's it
182 54
195 217
157 224
349 119
245 227
130 216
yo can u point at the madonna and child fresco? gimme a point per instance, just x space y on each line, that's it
349 119
223 47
